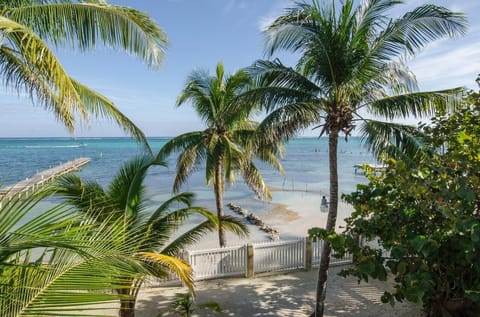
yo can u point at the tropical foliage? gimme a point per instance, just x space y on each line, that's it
57 262
155 242
184 305
350 75
28 65
424 220
229 144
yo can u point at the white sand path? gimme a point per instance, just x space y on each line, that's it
291 294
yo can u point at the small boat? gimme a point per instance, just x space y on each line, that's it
374 167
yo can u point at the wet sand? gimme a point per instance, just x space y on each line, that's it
292 213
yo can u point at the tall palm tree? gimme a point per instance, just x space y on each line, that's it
349 74
153 231
57 262
28 65
229 144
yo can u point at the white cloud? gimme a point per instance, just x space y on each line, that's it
232 5
275 11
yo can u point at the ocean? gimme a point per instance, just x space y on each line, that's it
305 163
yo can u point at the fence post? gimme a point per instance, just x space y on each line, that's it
308 254
250 267
185 255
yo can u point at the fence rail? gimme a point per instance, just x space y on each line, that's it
279 256
216 263
257 258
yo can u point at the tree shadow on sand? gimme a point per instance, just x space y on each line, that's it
290 294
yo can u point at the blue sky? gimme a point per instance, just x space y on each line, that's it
202 33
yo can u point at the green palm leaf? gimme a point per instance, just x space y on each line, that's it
230 141
114 26
28 64
350 68
402 141
143 234
418 105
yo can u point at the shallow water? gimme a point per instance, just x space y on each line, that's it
305 164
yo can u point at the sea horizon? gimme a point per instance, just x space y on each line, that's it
296 194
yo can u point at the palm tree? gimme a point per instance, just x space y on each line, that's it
28 65
349 74
229 144
56 262
153 231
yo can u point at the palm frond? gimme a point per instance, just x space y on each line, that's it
180 143
80 262
185 198
287 121
126 188
114 26
400 141
277 85
215 156
178 266
49 81
102 108
427 23
228 223
418 105
82 196
186 163
253 178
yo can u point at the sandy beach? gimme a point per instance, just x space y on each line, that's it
284 294
291 294
292 213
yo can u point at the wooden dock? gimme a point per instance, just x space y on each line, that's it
43 177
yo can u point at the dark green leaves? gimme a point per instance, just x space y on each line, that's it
425 218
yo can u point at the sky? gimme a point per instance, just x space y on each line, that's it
201 34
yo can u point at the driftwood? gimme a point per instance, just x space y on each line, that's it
255 220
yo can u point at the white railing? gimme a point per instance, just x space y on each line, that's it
257 258
279 256
216 263
317 247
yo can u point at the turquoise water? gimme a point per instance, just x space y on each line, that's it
305 163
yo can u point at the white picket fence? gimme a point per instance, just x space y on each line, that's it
221 262
256 258
317 251
279 256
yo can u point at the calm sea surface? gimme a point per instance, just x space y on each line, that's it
305 163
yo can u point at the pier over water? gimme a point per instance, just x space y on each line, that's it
43 177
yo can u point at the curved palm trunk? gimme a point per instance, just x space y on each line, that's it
127 306
331 221
129 294
218 190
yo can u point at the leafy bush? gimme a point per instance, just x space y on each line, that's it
421 223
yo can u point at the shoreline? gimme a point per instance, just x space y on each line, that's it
292 213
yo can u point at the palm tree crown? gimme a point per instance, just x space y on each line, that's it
28 65
157 243
229 144
351 65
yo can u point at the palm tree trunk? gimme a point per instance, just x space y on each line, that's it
331 221
127 305
218 189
